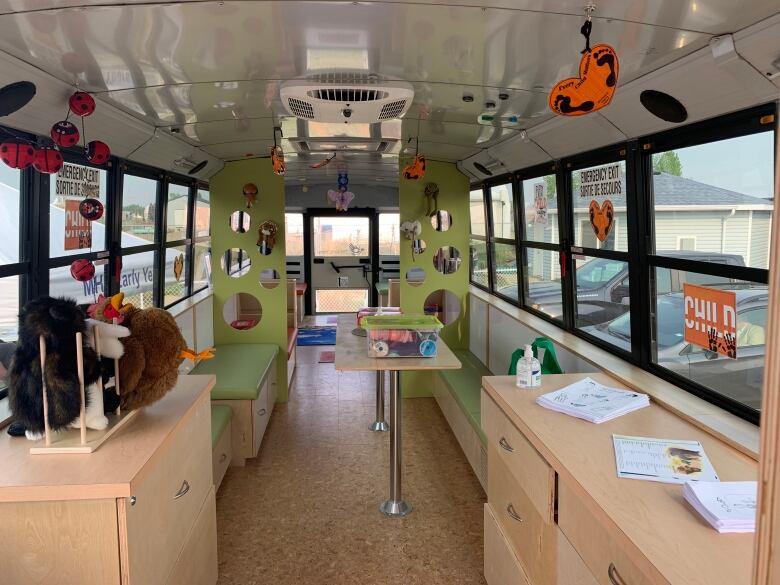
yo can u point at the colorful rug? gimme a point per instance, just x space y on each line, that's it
327 357
317 336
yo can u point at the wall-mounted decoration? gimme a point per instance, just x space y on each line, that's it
432 195
540 203
411 230
178 267
78 229
266 237
91 209
602 218
250 194
82 270
342 199
597 81
710 319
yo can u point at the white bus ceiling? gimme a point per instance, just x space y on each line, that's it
199 80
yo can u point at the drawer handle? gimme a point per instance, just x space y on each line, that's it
505 445
261 412
185 487
510 509
223 457
614 576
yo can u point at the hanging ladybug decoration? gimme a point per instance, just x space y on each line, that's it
47 160
98 152
17 155
82 270
91 209
65 134
81 104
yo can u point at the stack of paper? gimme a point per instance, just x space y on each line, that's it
664 460
729 506
589 400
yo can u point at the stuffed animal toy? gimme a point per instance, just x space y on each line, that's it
153 353
266 236
57 320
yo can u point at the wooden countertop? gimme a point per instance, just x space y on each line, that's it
647 516
352 350
112 470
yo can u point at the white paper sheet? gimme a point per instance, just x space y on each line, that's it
664 460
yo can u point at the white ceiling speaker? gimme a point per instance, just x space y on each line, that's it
346 97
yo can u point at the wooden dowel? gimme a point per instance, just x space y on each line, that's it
116 379
80 368
46 429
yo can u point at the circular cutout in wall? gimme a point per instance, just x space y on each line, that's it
415 276
235 262
441 220
242 311
444 305
447 259
240 222
418 246
269 278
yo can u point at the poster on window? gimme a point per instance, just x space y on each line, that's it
604 181
540 203
710 318
78 231
77 181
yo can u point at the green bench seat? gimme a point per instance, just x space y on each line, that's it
220 417
465 386
240 368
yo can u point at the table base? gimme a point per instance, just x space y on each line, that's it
396 508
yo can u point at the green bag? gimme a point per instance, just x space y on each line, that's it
550 363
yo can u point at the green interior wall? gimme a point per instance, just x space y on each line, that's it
453 197
227 197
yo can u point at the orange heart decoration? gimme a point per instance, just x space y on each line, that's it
593 89
602 218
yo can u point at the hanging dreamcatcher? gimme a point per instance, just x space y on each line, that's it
597 81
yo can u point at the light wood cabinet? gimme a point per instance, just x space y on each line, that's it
557 509
138 511
222 454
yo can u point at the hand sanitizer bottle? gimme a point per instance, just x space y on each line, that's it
529 371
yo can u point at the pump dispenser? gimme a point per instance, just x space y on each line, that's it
529 370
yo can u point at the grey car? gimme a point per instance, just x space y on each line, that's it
739 379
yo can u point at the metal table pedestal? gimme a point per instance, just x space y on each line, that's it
395 506
379 424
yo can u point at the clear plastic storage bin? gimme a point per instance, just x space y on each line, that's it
402 335
371 311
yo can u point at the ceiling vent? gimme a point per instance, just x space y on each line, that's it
349 98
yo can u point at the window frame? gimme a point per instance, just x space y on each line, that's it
492 240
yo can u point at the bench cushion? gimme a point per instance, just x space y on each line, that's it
240 368
220 417
466 387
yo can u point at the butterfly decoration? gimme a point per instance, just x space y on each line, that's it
178 267
192 355
324 162
107 309
342 199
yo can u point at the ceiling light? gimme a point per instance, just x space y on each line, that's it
468 98
490 105
503 96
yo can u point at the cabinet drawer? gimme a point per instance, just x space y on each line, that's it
532 472
571 568
168 499
501 565
221 455
197 563
606 559
260 415
532 539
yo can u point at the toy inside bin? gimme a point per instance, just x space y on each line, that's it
402 335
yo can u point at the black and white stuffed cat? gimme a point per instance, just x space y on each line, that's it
58 320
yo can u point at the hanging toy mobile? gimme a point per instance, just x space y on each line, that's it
341 196
277 155
65 134
415 170
597 81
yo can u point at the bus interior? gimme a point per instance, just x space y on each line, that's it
390 292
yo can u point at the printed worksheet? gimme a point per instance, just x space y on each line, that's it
663 460
589 400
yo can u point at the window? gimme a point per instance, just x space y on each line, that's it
10 252
543 290
177 213
477 212
479 263
177 263
503 211
202 214
341 236
389 234
600 192
293 229
340 300
505 270
201 247
201 277
540 207
137 279
686 243
501 240
139 211
70 233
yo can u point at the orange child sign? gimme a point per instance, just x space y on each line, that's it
711 319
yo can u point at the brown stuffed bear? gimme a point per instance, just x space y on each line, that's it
153 353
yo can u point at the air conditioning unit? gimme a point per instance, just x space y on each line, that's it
345 97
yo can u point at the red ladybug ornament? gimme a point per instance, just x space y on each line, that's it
98 152
82 270
65 134
91 209
17 155
47 160
81 103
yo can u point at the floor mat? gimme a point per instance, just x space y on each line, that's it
327 357
317 336
333 319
